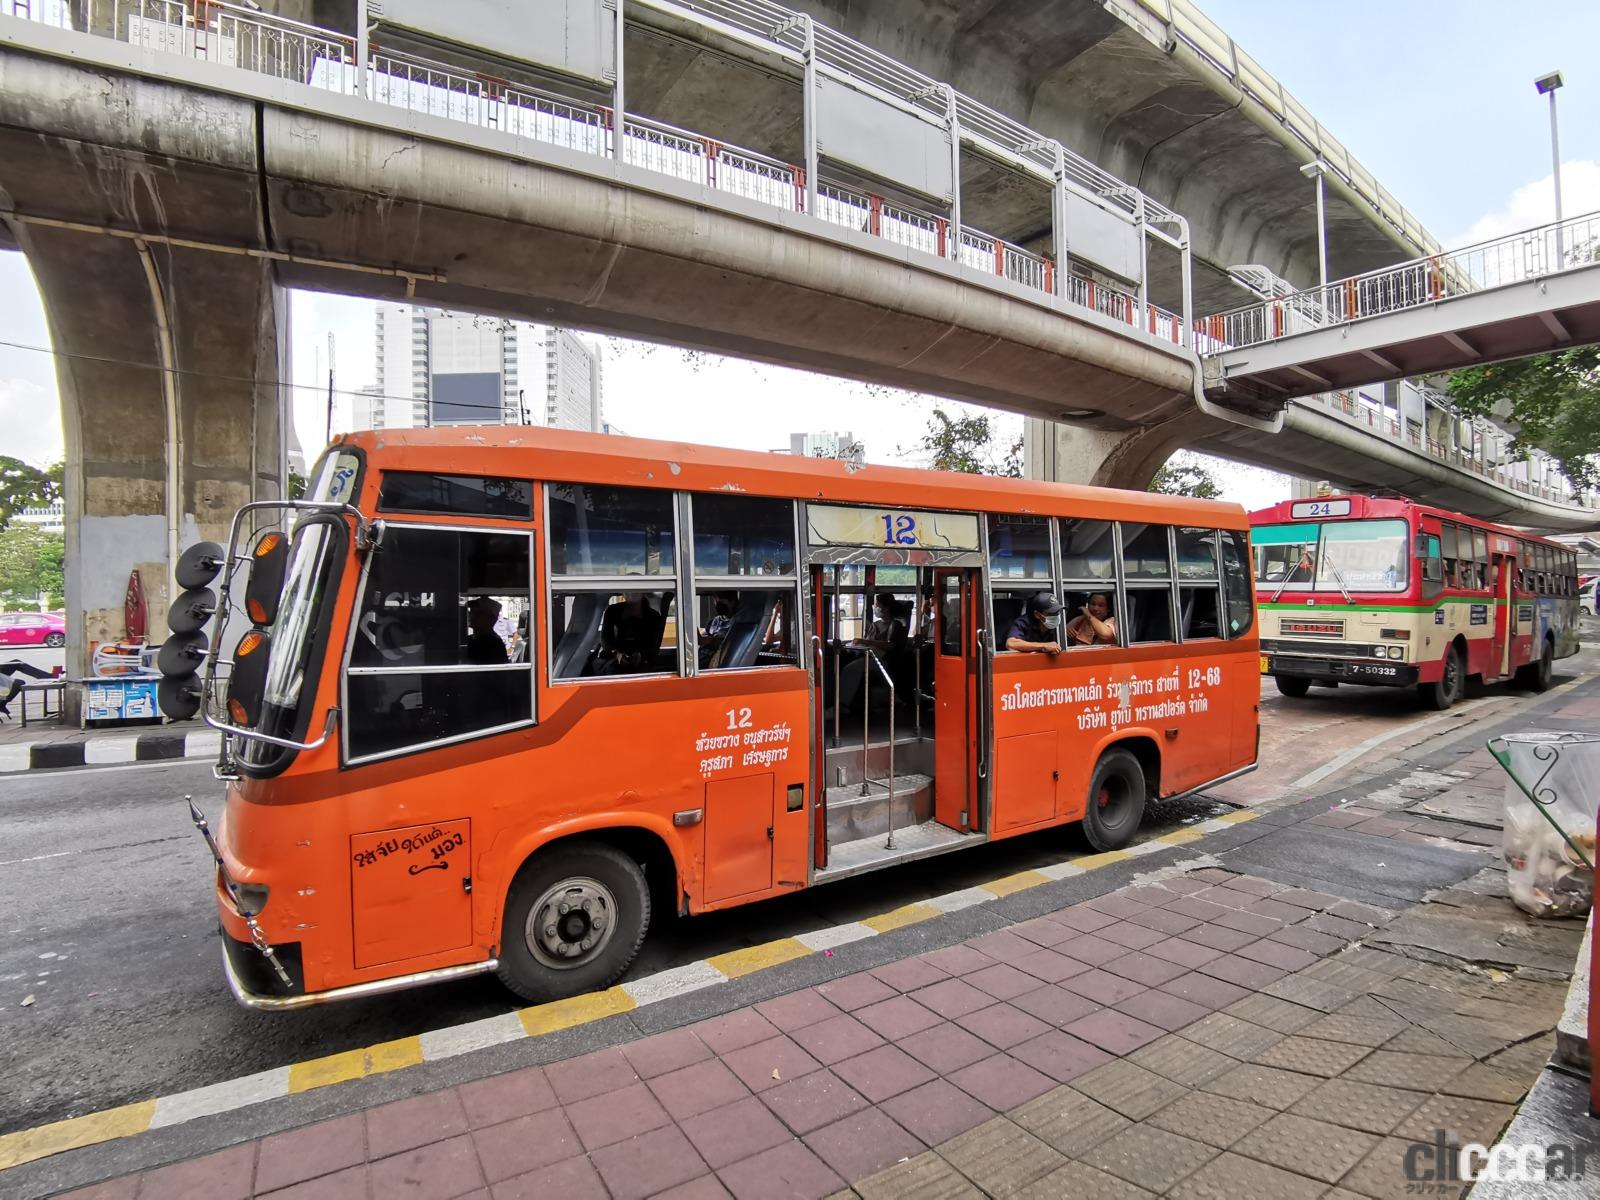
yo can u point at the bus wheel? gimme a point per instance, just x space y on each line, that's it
1450 685
575 917
1536 676
1116 801
1292 685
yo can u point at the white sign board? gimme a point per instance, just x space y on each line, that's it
1311 509
907 529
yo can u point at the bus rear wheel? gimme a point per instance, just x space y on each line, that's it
1116 801
1292 685
1450 685
1536 675
575 918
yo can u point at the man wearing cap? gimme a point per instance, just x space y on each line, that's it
1035 628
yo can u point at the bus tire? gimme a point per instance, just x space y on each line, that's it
1536 675
1292 686
1450 685
575 918
1116 801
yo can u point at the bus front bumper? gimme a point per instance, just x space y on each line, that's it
240 966
1341 670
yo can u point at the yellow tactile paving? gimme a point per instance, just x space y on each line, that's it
1090 861
579 1010
1179 836
60 1136
898 918
1020 882
1235 818
353 1064
757 958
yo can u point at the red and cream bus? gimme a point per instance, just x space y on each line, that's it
498 694
1384 591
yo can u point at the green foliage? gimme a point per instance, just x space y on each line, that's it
962 442
1182 475
1550 402
297 485
31 563
23 486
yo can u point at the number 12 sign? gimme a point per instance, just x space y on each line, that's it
838 525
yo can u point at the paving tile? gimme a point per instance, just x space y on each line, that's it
649 1163
1199 909
698 1088
1114 1031
945 1047
1248 922
1183 885
433 1172
313 1150
1002 1082
787 1172
909 974
896 1018
1092 949
1183 952
707 1187
338 1185
1002 1026
624 1113
1134 937
937 1111
112 1189
416 1121
1339 927
1060 1056
768 1064
963 960
1219 937
797 1009
1000 1156
1267 1086
1081 918
1235 1038
1312 1056
1213 875
1364 1106
1128 1089
1254 885
1205 990
1311 992
881 1073
1054 1005
570 1179
1181 1060
837 1038
1148 1157
1365 913
1478 1038
858 991
1117 904
952 998
1467 1119
1164 920
1302 898
1162 1010
1370 1025
1243 972
1042 931
1286 914
1080 1181
1423 1072
1482 1082
525 1144
1218 1121
1068 1121
740 1028
1230 1177
1272 1013
863 1144
1002 981
1276 954
1003 946
588 1075
1303 937
813 1101
659 1054
1049 966
735 1131
1382 1173
1316 1148
924 1177
1102 986
221 1176
1144 968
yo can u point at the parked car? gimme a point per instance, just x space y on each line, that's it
33 629
1587 599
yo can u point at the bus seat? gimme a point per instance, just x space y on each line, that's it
576 647
742 643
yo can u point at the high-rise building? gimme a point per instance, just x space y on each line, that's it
452 368
827 445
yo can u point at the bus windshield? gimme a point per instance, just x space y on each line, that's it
1334 556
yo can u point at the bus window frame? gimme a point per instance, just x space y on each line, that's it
689 593
1014 585
500 525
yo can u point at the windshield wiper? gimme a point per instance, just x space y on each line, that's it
1338 578
1287 580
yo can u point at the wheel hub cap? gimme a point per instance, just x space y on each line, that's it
572 923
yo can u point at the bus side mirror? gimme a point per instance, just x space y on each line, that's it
269 562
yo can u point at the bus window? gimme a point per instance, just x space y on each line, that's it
604 633
455 495
610 531
1145 552
438 598
1199 614
1236 583
1364 556
1447 551
745 581
1086 551
743 535
1078 631
1285 554
1019 566
1147 555
1432 567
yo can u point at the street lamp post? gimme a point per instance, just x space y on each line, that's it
1547 85
1316 170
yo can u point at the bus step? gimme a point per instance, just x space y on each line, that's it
869 853
912 756
852 815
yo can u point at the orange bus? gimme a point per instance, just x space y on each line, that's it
498 694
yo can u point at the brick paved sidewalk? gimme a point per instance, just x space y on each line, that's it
1204 1034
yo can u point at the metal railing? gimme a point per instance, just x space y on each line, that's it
872 660
1515 258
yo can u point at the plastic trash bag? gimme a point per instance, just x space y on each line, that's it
1546 874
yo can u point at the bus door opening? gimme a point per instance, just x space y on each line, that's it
957 665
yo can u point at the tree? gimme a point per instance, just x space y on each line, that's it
30 564
23 486
962 443
1183 475
1549 402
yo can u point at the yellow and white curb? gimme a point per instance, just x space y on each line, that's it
436 1045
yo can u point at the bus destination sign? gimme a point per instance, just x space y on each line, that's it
1310 509
836 525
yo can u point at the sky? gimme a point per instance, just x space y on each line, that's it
1435 97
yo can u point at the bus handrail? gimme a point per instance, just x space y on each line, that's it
866 717
284 743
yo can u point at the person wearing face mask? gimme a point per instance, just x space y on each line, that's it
1035 629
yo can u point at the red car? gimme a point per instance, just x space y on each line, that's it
33 629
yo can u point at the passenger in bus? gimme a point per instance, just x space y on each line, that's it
484 645
1035 628
1094 625
630 636
885 637
716 630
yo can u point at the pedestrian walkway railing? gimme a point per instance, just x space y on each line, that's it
224 33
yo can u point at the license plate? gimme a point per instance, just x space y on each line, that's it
1265 664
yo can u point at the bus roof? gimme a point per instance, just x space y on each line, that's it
533 452
1370 507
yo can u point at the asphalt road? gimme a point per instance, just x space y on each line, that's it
107 921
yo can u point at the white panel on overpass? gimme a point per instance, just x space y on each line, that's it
1106 238
883 139
575 37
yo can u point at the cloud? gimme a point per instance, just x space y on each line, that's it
1533 204
31 418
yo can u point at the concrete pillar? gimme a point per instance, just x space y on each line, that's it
1103 457
204 339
